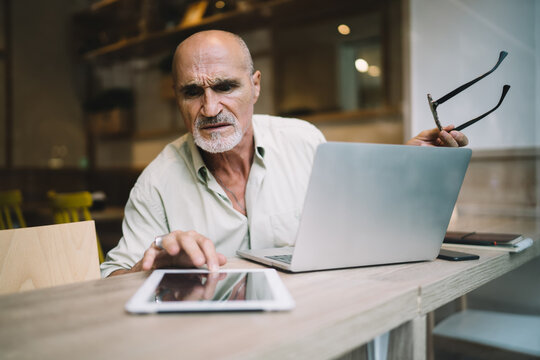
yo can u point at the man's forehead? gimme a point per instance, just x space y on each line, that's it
209 75
209 69
212 57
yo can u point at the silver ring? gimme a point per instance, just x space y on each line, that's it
158 240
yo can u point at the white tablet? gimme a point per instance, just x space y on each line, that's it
201 290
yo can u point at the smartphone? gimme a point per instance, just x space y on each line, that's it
456 255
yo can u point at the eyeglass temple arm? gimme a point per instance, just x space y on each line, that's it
470 122
453 93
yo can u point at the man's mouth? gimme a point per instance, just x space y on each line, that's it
214 126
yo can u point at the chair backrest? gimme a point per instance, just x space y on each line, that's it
44 256
10 204
72 207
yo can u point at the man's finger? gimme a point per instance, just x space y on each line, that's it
149 257
209 251
170 243
448 128
447 139
460 138
189 242
222 259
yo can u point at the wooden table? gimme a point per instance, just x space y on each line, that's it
336 312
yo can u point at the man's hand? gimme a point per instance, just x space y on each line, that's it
445 137
183 249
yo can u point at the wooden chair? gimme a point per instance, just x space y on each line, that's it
72 207
10 204
44 256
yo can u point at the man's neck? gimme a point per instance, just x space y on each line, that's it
232 164
231 169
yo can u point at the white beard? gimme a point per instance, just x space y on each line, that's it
217 142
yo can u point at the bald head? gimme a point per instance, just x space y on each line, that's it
208 44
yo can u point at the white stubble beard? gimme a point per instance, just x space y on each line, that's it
217 142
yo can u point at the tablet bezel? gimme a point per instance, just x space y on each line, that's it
139 303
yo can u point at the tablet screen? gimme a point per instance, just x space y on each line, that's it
213 287
201 290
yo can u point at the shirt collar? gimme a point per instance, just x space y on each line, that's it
259 141
197 160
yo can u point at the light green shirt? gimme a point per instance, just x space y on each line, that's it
177 192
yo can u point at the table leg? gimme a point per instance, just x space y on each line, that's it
408 341
430 350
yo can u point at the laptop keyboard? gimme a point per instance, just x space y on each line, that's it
283 258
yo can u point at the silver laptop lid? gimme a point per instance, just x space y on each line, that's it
370 204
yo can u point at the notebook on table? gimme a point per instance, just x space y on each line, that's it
370 204
482 238
456 240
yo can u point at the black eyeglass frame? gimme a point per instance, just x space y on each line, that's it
434 104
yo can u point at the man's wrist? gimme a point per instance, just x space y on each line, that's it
137 267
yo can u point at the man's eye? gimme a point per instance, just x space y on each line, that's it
191 92
224 87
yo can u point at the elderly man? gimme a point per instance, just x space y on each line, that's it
235 180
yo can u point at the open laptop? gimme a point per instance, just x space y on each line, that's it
369 204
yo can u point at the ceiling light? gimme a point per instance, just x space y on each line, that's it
361 65
374 71
344 29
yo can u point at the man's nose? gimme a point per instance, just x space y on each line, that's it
211 105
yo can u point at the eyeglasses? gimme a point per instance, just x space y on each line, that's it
434 104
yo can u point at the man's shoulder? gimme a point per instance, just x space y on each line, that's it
277 122
286 127
174 155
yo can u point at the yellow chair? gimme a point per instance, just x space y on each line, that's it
10 201
44 256
72 207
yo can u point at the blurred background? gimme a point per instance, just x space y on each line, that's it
86 99
87 102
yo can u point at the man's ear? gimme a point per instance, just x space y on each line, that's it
256 81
